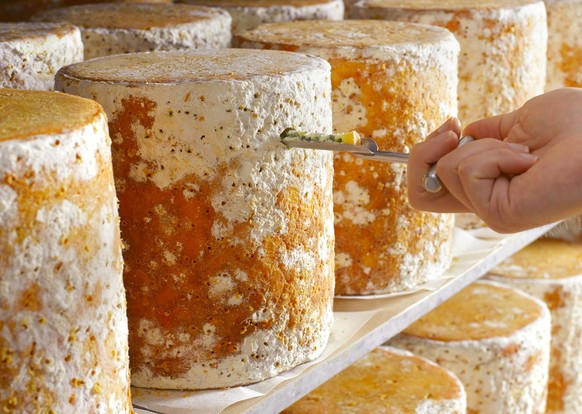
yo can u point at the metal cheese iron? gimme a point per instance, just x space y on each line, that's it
359 147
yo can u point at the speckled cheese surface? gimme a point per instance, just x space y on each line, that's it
32 53
551 270
112 28
496 339
248 14
228 233
394 82
387 381
502 62
63 323
564 66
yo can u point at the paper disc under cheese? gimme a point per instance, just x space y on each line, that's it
551 270
31 53
387 381
247 14
502 62
112 28
496 339
228 233
63 342
394 82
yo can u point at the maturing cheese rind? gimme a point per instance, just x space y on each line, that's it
564 66
387 381
551 270
112 28
32 53
393 82
248 14
63 323
228 233
503 47
496 339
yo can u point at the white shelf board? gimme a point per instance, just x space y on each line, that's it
361 325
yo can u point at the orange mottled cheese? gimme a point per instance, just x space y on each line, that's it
393 82
496 339
387 381
502 62
228 233
551 270
63 323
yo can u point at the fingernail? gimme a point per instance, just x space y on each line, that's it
444 126
528 156
518 147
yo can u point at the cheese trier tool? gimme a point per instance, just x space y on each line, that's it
360 147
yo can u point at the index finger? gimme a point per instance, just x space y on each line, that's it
497 127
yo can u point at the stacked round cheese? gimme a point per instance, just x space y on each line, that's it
228 233
387 381
503 47
32 53
21 11
496 339
248 14
393 82
551 270
113 28
564 43
63 342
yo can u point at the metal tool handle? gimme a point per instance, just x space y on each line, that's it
431 181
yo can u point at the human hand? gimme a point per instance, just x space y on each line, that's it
523 170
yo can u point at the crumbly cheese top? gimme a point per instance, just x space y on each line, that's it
480 311
30 113
27 30
385 380
129 15
545 258
258 3
347 33
445 4
191 66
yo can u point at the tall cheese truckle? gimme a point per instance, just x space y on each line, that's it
551 270
112 28
564 44
228 234
496 339
248 14
63 323
502 62
393 82
32 53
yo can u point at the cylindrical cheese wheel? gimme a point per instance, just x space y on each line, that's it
32 53
228 233
113 28
393 82
564 43
387 381
496 339
503 47
20 11
551 270
248 14
63 323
